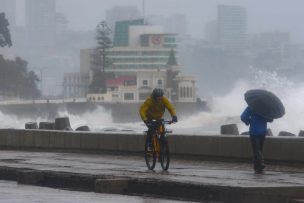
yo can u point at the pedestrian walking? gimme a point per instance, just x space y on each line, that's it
263 107
257 132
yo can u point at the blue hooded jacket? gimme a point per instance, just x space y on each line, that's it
258 124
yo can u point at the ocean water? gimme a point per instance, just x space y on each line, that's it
225 109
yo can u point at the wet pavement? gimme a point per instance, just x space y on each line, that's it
215 176
211 172
11 192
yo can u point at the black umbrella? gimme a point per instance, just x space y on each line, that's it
265 103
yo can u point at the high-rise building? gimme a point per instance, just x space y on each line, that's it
120 13
231 27
41 22
9 8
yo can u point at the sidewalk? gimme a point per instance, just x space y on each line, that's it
188 180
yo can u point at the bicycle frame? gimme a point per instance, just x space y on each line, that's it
160 132
160 147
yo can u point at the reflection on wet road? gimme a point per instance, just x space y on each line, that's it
11 192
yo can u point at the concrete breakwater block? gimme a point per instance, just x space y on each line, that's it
245 133
31 125
230 129
62 123
285 133
46 125
83 128
301 133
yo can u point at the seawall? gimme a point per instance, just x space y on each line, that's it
121 112
290 149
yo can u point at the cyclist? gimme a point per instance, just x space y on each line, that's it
153 109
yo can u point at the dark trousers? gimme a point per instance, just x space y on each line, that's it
257 143
151 130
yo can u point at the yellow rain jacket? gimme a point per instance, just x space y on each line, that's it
154 110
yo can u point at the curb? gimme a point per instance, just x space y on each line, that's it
187 191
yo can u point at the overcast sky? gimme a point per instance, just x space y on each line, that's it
263 15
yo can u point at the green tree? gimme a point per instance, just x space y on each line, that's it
100 58
16 80
5 37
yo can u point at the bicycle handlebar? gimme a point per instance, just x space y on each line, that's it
167 122
163 121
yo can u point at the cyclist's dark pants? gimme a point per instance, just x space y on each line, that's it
257 143
151 130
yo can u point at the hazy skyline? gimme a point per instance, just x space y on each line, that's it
262 16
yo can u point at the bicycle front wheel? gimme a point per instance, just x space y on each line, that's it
150 156
164 154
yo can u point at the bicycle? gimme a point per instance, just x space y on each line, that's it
160 147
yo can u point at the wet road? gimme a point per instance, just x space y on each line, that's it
206 172
11 192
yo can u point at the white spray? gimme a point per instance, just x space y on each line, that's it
226 109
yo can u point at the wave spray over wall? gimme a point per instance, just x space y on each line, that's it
225 109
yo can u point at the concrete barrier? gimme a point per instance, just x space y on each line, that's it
234 147
301 133
193 145
230 129
46 125
90 141
222 146
285 133
31 125
83 128
57 139
62 123
72 140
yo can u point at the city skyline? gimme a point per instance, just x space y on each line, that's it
275 15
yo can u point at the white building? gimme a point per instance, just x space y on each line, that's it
142 61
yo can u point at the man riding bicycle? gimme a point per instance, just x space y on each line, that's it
153 109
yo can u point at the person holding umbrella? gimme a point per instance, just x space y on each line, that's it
263 107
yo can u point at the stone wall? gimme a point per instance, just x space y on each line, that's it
219 146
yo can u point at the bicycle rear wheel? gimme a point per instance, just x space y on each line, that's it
164 154
150 156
